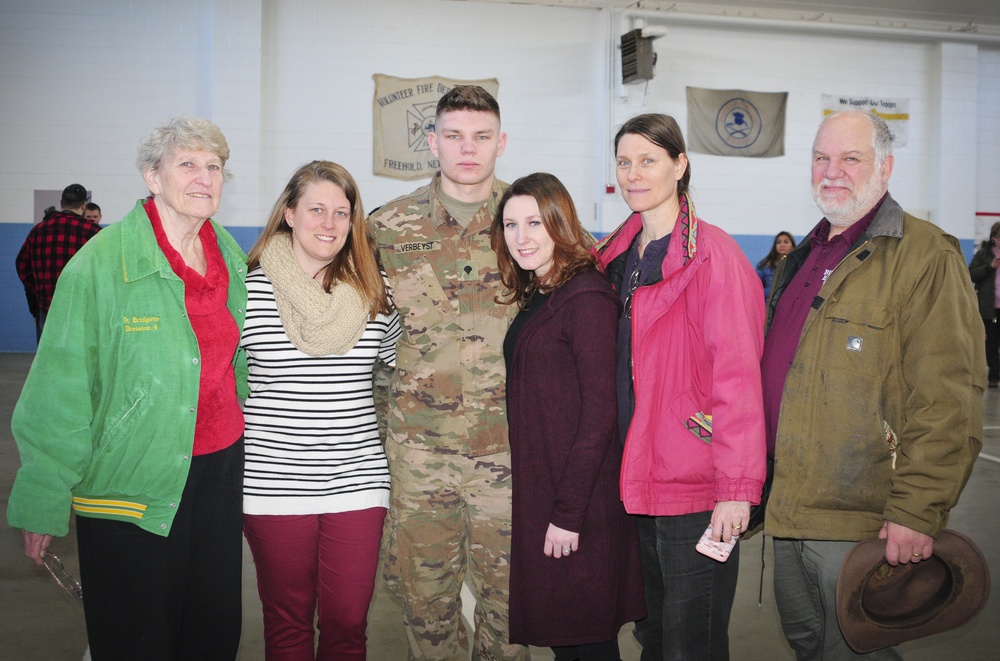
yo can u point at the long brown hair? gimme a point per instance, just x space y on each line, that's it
357 262
570 254
773 257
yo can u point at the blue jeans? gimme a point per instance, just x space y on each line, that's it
688 595
805 591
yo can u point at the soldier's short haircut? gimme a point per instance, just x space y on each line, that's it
467 97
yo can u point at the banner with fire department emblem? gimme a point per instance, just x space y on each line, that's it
736 122
404 114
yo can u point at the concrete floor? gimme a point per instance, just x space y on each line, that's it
39 623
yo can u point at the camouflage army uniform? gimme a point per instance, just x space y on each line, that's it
447 431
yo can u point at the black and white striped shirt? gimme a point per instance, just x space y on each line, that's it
312 444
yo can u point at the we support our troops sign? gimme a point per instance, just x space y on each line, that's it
404 114
895 112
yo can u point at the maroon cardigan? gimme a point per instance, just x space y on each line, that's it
566 461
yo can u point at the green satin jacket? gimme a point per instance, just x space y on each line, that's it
105 422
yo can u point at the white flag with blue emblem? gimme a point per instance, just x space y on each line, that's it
736 122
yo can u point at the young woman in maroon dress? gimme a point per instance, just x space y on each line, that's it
575 576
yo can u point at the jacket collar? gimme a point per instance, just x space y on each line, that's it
683 238
888 221
141 255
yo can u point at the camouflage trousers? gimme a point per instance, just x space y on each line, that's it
450 515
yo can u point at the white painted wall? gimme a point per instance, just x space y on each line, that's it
82 82
319 58
988 140
291 81
762 196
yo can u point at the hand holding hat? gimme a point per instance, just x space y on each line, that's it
880 605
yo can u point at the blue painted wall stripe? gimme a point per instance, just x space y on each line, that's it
17 330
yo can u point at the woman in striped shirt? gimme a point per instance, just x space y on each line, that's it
316 483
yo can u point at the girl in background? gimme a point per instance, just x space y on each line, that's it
783 244
983 270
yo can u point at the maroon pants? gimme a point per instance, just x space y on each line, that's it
316 560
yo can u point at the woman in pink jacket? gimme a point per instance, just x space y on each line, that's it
689 391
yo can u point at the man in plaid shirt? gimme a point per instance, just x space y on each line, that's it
49 246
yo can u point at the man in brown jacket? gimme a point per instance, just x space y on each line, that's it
873 375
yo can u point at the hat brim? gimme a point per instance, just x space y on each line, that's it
955 586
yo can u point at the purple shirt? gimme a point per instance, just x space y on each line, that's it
782 339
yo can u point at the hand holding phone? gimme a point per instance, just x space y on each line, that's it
716 550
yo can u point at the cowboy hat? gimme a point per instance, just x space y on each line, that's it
879 605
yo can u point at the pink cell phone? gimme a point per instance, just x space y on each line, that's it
716 550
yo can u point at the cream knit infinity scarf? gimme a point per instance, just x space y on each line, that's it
318 323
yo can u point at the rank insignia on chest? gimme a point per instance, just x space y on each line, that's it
467 269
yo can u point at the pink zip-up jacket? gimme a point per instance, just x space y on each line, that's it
697 431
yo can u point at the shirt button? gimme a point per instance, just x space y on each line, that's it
163 526
174 505
186 458
191 410
194 361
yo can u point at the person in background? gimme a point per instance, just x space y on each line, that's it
449 456
49 246
575 571
783 244
316 485
873 375
688 391
93 213
129 415
984 272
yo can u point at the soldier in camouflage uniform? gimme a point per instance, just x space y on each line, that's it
447 432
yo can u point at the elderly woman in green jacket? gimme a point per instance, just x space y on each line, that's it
129 415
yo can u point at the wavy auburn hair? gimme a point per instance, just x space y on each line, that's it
570 254
357 262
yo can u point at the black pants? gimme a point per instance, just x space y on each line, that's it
993 346
174 598
688 596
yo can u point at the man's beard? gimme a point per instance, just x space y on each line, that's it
853 209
